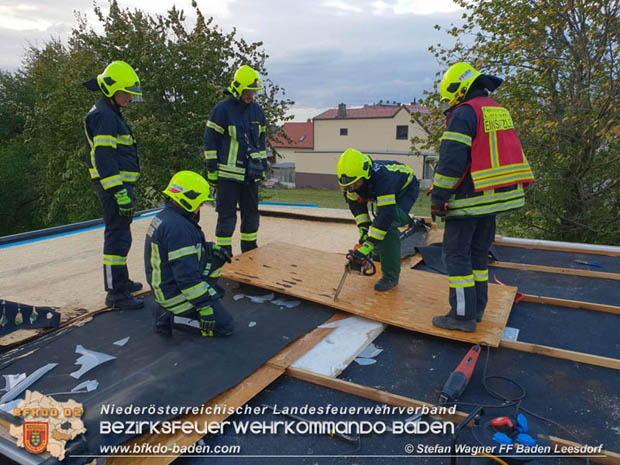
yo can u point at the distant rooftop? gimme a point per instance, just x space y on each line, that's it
301 135
377 110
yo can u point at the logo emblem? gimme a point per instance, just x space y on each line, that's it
35 436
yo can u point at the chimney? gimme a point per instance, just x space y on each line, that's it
342 110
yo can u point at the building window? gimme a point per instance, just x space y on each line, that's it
402 132
344 131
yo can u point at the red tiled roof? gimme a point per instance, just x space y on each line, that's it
371 111
301 134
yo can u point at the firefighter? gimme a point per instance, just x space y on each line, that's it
112 159
394 188
179 263
234 148
481 172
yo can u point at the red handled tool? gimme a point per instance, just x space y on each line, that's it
459 378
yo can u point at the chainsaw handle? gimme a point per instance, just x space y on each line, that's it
369 268
366 268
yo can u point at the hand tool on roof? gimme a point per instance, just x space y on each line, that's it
366 268
586 262
459 378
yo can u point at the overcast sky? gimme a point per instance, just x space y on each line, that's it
323 52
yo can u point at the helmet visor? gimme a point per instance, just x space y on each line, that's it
134 90
348 183
255 85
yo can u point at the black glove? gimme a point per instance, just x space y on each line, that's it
438 210
222 253
254 170
207 321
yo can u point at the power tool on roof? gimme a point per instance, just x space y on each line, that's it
459 378
366 268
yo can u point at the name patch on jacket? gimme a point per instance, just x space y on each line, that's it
496 119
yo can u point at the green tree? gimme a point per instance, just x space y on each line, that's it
17 207
183 71
560 61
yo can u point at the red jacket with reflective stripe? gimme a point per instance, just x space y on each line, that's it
497 158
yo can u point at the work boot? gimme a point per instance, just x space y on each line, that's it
133 286
123 301
162 321
450 322
385 284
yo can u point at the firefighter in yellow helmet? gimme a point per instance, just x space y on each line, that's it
234 148
394 187
179 263
481 173
112 159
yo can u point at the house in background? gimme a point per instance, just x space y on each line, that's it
382 130
301 141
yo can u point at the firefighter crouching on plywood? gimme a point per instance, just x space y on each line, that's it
395 189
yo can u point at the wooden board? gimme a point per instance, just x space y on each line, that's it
571 304
314 275
336 352
559 247
555 269
564 354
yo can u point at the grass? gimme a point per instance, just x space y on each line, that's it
328 198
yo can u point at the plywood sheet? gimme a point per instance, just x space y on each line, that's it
314 275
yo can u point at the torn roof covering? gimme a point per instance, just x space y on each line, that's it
159 373
89 360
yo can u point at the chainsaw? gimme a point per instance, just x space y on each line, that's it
366 268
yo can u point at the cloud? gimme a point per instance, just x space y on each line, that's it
342 6
321 53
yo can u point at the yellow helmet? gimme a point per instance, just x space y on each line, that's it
456 82
352 166
245 79
189 190
118 75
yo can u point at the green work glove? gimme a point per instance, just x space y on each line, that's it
207 321
222 253
125 204
363 233
212 178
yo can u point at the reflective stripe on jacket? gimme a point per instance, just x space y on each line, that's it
387 180
177 261
497 158
235 132
111 152
453 182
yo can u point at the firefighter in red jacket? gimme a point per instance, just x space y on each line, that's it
481 173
